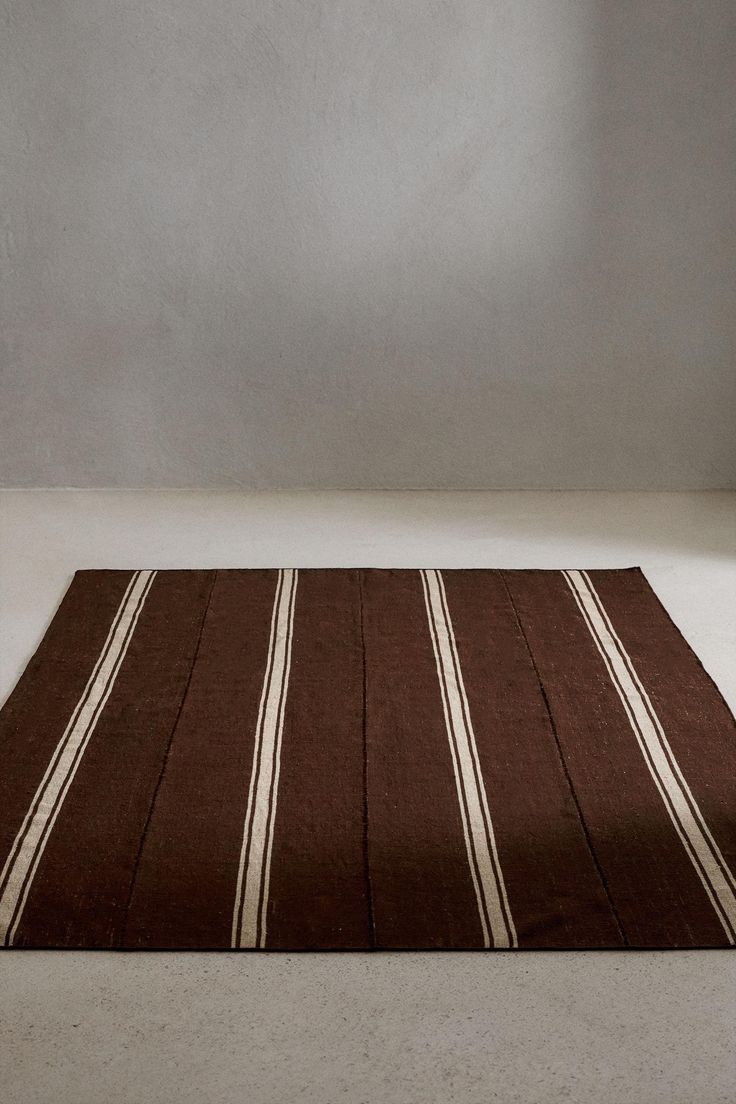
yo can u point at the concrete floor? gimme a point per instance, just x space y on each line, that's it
116 1028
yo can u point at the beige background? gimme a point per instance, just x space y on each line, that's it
361 243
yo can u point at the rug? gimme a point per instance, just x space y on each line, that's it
333 759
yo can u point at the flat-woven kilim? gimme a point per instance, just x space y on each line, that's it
313 759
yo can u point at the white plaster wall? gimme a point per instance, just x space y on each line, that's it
361 243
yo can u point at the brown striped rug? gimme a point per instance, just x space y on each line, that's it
312 759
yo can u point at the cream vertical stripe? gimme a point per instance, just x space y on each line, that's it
251 895
493 907
27 850
696 838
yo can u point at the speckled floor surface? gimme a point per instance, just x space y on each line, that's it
360 1028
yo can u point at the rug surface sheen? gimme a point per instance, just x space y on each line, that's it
309 759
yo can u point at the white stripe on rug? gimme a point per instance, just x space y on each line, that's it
25 855
485 868
251 895
703 851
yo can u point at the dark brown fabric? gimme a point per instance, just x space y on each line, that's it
652 884
556 891
188 862
88 865
40 706
366 759
318 893
694 715
421 888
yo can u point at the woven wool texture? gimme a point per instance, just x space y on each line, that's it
363 758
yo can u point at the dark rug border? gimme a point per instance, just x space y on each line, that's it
492 951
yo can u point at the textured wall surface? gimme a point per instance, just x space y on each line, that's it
361 243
